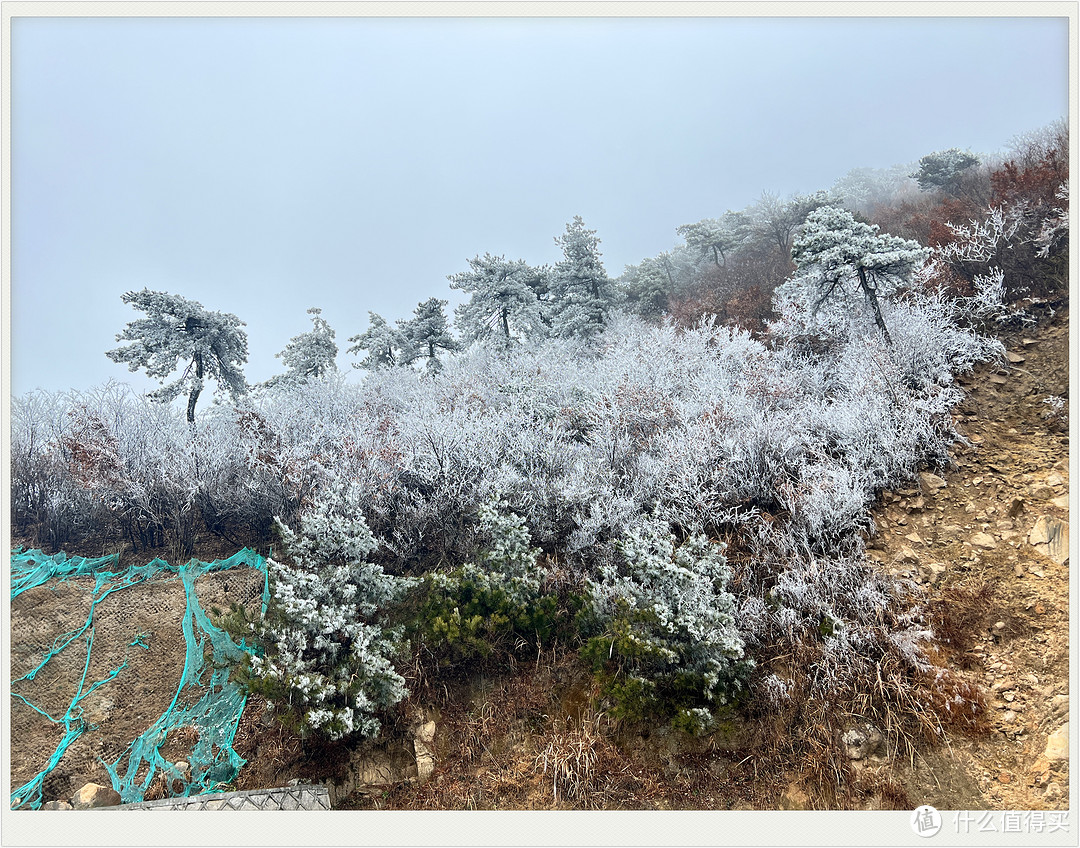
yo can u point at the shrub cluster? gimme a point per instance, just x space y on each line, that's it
324 649
670 646
499 595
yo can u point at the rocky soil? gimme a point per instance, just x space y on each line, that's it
999 519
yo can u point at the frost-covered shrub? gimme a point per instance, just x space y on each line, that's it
327 649
1058 411
702 428
497 595
670 644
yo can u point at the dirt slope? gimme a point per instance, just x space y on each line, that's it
976 530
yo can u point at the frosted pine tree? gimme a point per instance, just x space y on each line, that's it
717 238
647 287
944 169
428 333
671 630
309 355
505 302
582 293
384 344
177 330
845 266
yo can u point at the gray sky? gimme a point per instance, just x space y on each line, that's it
263 166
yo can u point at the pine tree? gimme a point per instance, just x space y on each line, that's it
842 261
505 302
427 333
582 292
384 344
944 170
327 646
717 238
309 355
176 329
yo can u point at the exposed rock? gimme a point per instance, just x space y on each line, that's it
1059 707
1054 479
1057 744
423 746
931 482
1050 536
983 540
1015 358
862 742
934 571
1061 502
906 555
425 732
57 805
95 795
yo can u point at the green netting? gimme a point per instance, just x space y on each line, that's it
206 706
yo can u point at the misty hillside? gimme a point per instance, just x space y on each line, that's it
645 518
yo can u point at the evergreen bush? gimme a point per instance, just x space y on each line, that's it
327 649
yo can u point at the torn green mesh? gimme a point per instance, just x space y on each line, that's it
205 703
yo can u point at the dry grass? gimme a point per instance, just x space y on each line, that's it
571 756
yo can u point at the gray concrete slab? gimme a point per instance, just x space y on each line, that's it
282 798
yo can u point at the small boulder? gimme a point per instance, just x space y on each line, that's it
423 748
1057 744
1050 537
861 742
93 795
931 482
906 555
983 540
934 571
57 805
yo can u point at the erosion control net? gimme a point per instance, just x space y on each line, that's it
119 676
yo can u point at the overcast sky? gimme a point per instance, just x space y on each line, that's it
263 166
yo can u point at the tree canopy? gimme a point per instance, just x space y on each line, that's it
944 169
505 300
717 237
582 292
384 344
840 258
427 333
177 330
310 354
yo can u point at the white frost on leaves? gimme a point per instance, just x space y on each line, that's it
327 648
